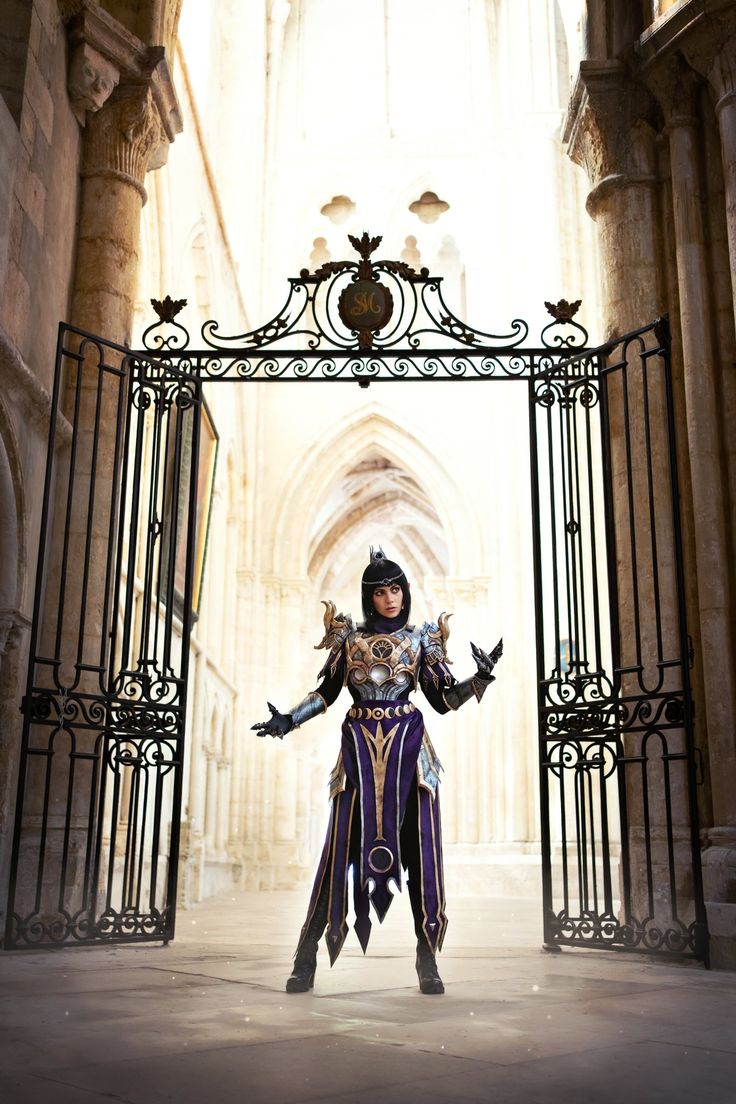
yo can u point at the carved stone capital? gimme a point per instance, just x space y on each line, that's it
110 66
676 86
124 137
704 32
721 72
609 128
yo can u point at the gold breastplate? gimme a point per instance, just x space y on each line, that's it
382 666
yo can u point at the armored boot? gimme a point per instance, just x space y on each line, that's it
305 963
430 981
301 979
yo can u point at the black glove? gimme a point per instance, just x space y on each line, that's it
485 662
278 725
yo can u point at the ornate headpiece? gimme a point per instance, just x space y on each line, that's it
382 572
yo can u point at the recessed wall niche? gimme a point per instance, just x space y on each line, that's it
338 210
428 207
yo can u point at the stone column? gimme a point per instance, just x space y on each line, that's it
121 92
677 88
610 133
713 54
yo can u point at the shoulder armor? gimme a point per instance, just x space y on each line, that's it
434 635
337 627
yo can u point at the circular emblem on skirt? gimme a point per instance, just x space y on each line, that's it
380 859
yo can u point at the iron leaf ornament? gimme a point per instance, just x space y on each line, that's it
168 308
563 311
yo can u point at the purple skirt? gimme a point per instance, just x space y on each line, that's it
371 786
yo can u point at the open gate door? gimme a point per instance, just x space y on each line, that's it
98 812
621 857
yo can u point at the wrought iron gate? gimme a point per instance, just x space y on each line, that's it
621 854
98 811
99 800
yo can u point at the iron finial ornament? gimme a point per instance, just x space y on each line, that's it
366 244
177 339
168 308
563 331
563 311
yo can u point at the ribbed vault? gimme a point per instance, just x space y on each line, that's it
375 502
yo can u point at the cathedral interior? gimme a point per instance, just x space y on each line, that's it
225 154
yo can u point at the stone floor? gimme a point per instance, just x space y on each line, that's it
206 1019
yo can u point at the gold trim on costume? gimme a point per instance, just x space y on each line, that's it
338 777
379 747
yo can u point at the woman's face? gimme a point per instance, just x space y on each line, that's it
388 600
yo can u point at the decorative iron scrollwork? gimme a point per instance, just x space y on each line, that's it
563 332
175 337
365 305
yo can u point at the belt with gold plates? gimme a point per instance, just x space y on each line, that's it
380 712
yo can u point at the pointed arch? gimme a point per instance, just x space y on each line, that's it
358 436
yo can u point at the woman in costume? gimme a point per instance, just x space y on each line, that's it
385 809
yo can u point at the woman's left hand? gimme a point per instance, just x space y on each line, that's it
277 725
485 661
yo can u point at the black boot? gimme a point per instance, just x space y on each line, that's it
305 963
305 959
430 981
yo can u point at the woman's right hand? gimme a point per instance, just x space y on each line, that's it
277 725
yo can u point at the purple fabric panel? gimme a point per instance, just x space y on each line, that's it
364 741
437 820
337 927
319 876
361 904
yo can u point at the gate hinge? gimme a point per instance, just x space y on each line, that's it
699 766
690 652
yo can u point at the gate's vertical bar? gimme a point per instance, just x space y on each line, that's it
701 944
186 630
26 704
615 630
547 906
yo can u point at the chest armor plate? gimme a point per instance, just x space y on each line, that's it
380 667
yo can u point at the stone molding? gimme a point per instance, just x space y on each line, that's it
703 32
609 129
30 397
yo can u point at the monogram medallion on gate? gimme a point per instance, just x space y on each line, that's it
365 306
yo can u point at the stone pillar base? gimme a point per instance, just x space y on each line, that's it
719 865
722 930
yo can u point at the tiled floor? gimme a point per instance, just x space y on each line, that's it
206 1019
